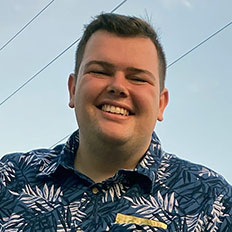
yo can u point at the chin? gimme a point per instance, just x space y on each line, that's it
114 138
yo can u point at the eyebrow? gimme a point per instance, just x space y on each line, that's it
101 63
138 70
108 65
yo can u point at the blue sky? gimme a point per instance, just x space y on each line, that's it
197 124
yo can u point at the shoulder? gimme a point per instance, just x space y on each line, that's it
183 172
32 156
16 166
195 183
198 190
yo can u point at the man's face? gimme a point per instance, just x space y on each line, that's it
117 96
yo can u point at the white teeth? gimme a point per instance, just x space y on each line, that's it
115 110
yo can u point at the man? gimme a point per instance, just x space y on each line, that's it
112 174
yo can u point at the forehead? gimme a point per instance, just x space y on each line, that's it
126 51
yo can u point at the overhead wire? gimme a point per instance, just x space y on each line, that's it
72 44
26 25
37 73
175 61
52 61
118 6
71 133
199 44
60 141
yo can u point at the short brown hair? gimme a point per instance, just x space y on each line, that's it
124 26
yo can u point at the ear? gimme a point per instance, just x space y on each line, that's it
162 104
71 89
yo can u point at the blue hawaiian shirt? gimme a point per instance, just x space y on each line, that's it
41 191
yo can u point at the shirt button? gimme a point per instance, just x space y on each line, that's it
95 190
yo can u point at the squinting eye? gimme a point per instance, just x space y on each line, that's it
98 72
137 79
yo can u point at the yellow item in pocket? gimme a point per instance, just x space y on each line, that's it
126 219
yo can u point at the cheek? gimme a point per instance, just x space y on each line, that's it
87 91
147 102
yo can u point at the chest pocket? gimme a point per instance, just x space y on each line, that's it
135 224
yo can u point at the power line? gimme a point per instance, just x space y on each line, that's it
171 64
198 45
59 141
52 61
36 74
71 133
175 61
24 27
119 5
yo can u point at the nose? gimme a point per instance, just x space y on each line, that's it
118 85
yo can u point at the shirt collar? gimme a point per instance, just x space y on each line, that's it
150 162
65 155
146 168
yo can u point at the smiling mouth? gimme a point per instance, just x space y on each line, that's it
114 110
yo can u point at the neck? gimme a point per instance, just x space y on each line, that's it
100 161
